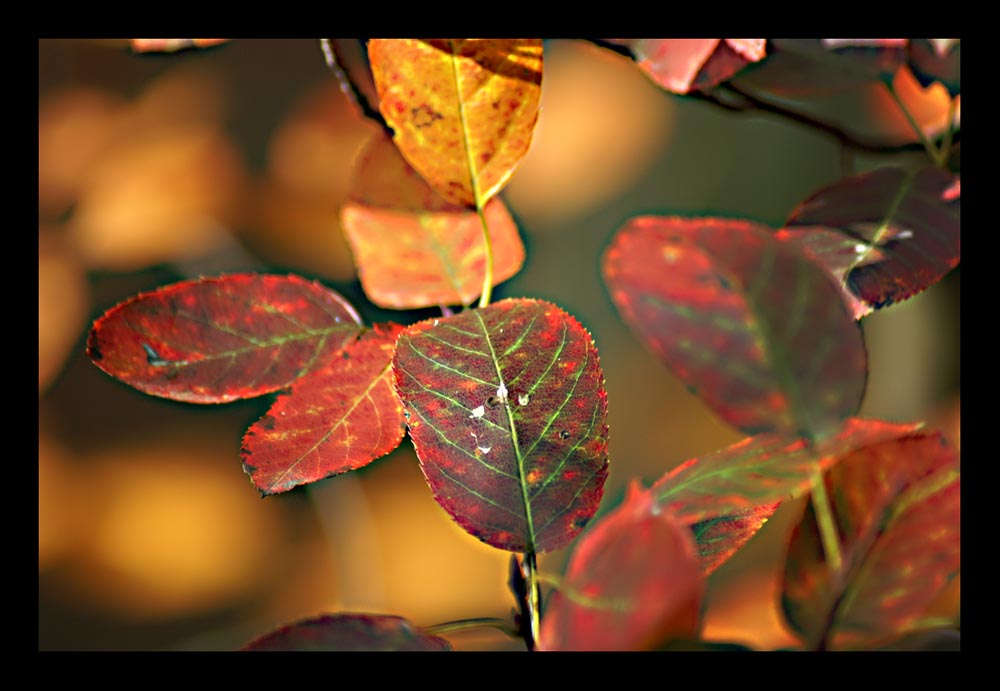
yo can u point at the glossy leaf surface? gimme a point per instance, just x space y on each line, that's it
884 235
896 508
718 538
633 582
411 246
349 632
751 325
507 412
339 417
682 65
463 110
761 470
221 339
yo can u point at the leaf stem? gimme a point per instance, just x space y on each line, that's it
534 597
825 521
484 299
927 143
948 133
475 623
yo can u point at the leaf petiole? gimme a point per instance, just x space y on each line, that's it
487 293
474 623
932 150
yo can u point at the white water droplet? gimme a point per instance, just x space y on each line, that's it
436 322
484 449
903 234
522 399
479 412
502 393
860 248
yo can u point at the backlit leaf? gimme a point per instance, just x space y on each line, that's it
170 45
896 509
884 235
349 632
507 412
682 65
761 470
215 340
720 537
339 417
633 582
412 247
749 324
463 110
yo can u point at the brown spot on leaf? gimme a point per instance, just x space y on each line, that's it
424 116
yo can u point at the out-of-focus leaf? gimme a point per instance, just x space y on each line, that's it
749 324
761 470
63 303
937 639
814 67
463 110
349 632
937 60
885 235
720 537
340 417
896 510
412 247
171 45
682 65
507 412
633 582
221 339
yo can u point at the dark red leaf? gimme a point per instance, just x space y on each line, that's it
339 417
682 65
816 67
216 340
719 538
507 412
349 632
411 246
937 60
896 510
761 470
884 235
633 582
753 327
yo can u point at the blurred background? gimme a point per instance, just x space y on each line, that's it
154 168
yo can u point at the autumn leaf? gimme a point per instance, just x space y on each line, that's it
412 247
215 340
682 65
896 510
937 60
718 538
633 582
884 235
340 417
507 412
761 470
749 324
349 632
463 110
171 45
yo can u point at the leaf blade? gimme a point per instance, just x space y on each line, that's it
221 339
349 632
338 418
463 110
507 412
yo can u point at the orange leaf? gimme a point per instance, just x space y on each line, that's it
414 249
463 110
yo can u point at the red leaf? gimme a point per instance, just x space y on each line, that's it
216 340
754 328
414 249
720 537
682 65
507 412
463 110
349 632
885 235
170 45
633 582
896 508
937 60
340 417
761 470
